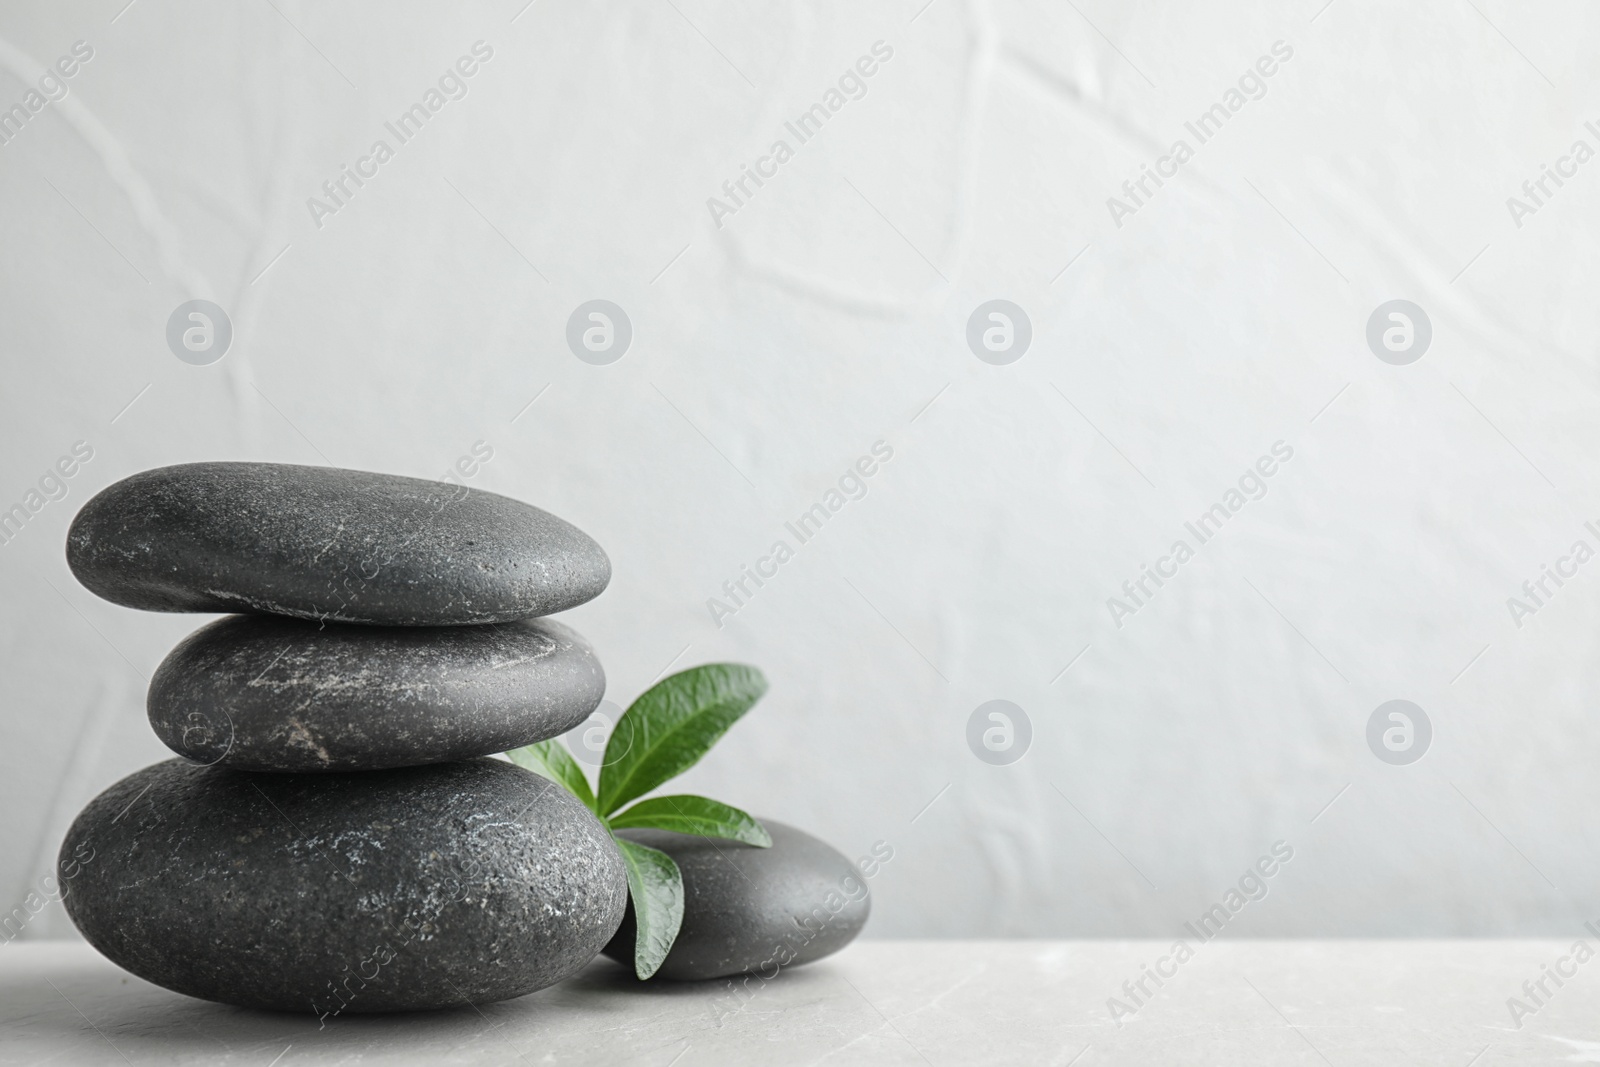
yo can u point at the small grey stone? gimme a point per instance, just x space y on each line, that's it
328 544
267 693
427 887
753 909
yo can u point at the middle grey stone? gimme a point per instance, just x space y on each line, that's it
268 693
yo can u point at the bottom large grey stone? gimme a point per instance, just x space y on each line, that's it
427 887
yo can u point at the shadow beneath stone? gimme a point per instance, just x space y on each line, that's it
606 975
89 1008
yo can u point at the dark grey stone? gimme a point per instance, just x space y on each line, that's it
753 909
426 887
267 693
328 544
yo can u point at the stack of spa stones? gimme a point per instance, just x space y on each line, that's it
333 838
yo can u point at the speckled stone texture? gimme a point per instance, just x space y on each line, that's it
266 693
328 544
427 887
753 909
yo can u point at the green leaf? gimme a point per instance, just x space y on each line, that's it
671 725
689 814
656 888
551 759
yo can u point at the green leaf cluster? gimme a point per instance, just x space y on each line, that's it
662 734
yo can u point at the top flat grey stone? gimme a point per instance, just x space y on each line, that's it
330 544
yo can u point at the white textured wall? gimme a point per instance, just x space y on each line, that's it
1225 314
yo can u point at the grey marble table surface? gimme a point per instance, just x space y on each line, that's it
1451 1003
